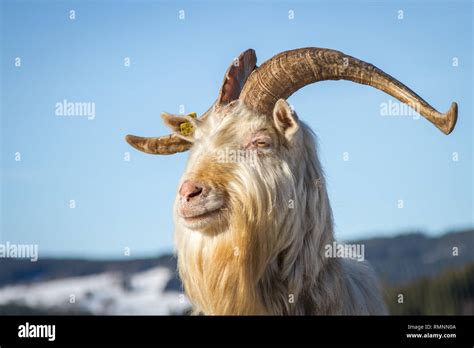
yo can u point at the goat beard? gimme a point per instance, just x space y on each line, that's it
232 271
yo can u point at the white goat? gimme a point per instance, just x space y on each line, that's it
252 213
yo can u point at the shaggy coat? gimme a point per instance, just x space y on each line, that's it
263 253
252 213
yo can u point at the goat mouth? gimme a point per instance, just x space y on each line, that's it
201 214
204 215
202 220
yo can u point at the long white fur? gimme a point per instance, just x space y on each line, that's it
265 254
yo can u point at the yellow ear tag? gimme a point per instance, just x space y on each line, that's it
186 128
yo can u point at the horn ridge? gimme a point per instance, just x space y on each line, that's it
287 72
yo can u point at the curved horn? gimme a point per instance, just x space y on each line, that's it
285 73
165 145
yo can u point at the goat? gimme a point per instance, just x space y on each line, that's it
250 234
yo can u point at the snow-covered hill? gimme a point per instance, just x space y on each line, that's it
108 293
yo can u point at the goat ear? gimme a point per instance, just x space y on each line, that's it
235 77
285 119
182 125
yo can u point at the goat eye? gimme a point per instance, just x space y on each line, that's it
261 143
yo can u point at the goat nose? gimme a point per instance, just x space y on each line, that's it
189 190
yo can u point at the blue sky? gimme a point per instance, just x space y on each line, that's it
177 62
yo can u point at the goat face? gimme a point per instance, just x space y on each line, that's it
240 163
